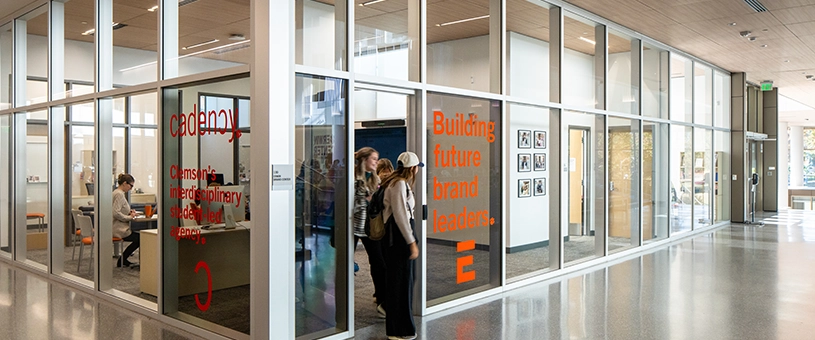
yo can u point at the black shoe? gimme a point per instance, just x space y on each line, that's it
123 262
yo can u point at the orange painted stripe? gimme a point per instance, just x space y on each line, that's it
465 246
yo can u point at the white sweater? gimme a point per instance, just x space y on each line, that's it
399 202
121 215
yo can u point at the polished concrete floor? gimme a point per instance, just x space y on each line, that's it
737 282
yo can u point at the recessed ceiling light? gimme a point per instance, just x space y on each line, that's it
370 2
153 9
732 24
237 37
752 38
763 46
765 30
587 40
200 44
463 20
786 61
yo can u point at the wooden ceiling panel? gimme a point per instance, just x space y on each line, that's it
803 28
449 11
134 37
795 15
148 20
396 22
387 6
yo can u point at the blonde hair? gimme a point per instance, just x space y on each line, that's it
401 173
372 182
384 164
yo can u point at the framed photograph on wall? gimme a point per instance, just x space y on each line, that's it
524 139
540 139
524 187
540 187
524 162
540 162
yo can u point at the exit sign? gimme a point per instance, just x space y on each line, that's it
765 86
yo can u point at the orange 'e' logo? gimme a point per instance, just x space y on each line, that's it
461 262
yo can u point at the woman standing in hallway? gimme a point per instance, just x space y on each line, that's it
399 246
365 184
122 216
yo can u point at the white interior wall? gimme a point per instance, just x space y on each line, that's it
620 94
528 220
578 79
651 74
318 35
462 63
528 67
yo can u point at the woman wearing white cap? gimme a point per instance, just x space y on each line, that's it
399 247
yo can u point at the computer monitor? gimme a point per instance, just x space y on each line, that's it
219 178
214 209
239 209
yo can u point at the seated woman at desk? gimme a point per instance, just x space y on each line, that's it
122 216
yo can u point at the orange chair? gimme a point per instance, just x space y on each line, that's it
85 225
39 216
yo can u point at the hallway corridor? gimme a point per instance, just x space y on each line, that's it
737 282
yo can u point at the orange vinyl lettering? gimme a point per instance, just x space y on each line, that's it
461 275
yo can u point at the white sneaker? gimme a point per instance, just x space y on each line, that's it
380 311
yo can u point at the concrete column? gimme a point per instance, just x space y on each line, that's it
796 156
783 173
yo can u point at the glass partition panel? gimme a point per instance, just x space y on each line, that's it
580 78
464 212
721 99
383 45
624 184
655 184
81 180
201 45
702 94
721 176
320 39
36 189
460 45
527 234
205 248
681 163
681 97
6 157
528 49
623 75
6 52
118 113
135 39
702 177
36 51
321 226
655 75
80 27
585 190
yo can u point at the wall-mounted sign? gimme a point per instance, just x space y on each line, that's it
282 176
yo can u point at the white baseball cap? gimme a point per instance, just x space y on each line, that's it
408 159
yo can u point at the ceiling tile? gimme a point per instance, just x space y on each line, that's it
803 28
795 15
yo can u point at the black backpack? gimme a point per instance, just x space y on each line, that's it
375 228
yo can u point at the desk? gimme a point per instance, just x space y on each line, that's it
226 252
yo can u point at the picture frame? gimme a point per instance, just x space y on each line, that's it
539 187
539 161
524 188
540 139
524 139
524 162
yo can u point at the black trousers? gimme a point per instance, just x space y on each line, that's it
399 287
133 238
378 271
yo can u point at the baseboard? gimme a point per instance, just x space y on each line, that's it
525 247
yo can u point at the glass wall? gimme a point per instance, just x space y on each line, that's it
321 223
80 183
528 49
319 38
721 176
6 156
655 77
205 230
584 190
703 94
36 190
721 100
36 63
682 188
80 29
623 74
464 212
383 44
201 45
655 183
681 96
702 177
581 80
623 183
463 44
527 234
6 52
